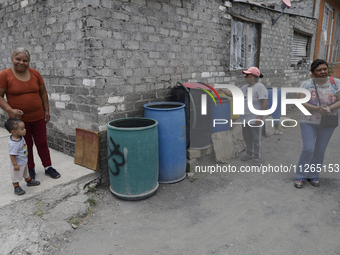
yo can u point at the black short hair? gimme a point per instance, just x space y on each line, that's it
257 77
316 63
12 124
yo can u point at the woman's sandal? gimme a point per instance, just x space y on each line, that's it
314 183
298 184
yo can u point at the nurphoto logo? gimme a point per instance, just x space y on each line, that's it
238 104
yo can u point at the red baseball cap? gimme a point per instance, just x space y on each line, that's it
253 70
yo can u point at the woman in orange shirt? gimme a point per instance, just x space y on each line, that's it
27 100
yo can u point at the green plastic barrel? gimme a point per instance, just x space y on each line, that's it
133 157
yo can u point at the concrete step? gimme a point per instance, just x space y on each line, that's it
64 164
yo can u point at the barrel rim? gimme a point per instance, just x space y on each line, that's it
223 99
146 106
133 128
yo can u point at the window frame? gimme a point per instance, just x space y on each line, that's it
308 47
258 24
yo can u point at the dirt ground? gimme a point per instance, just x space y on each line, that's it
222 213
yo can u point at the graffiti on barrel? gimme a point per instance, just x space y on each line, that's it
117 152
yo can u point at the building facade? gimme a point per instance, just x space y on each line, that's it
103 59
328 29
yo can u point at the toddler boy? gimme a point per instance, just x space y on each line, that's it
18 155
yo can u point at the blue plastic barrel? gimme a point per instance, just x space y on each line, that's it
172 139
219 111
277 113
133 157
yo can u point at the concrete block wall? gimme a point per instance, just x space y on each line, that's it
276 45
103 59
53 32
300 7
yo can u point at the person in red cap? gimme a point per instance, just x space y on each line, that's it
252 127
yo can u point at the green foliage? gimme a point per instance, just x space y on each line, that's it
39 211
92 189
188 168
92 201
75 221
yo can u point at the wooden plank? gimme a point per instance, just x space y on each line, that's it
87 149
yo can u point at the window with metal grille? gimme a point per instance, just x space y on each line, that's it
300 48
245 44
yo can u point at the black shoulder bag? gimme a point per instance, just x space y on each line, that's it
328 121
